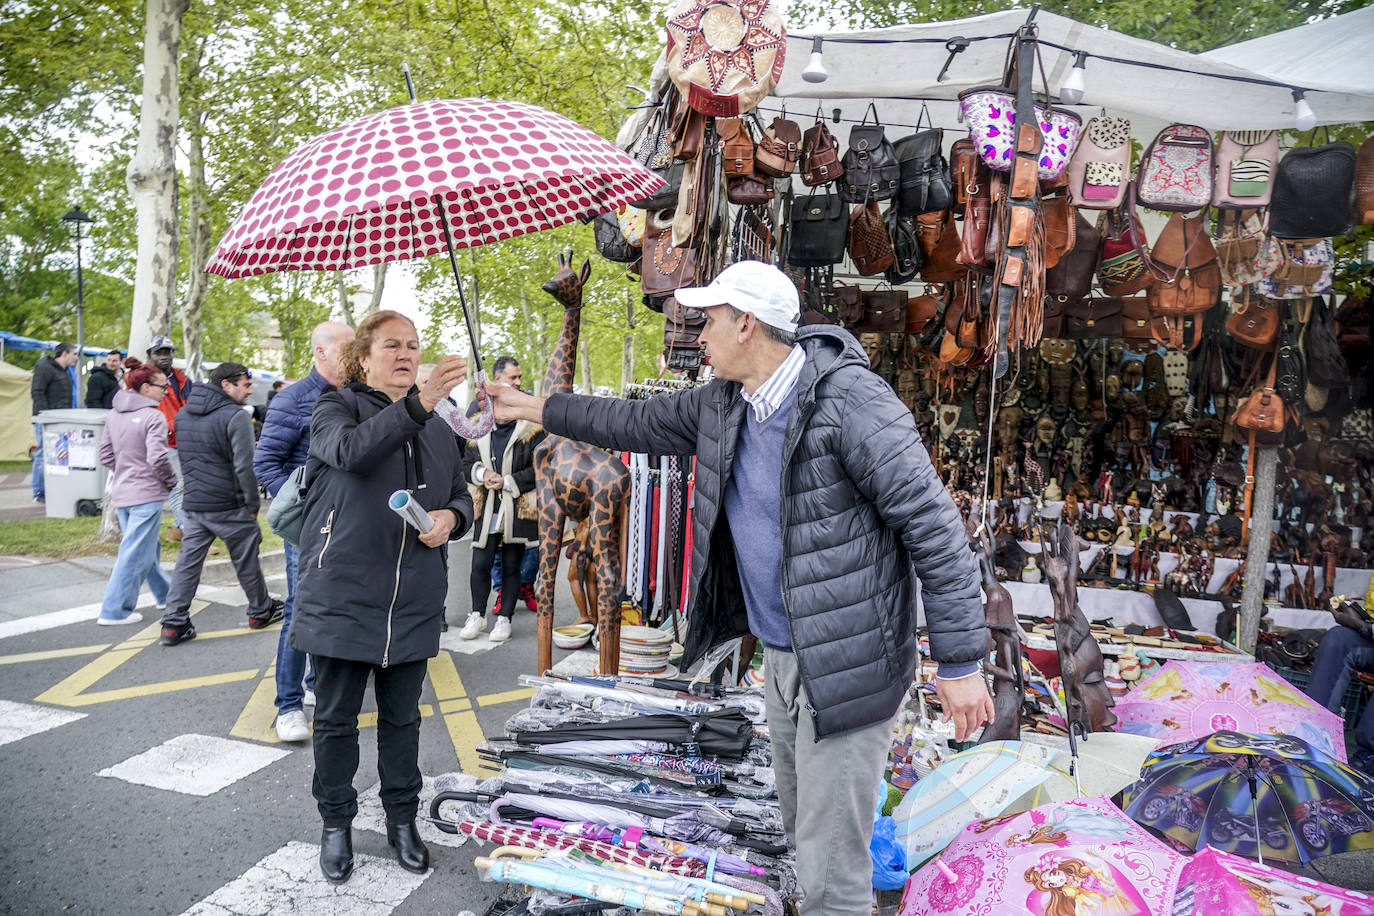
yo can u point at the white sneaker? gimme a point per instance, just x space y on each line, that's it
500 632
309 698
134 617
477 622
291 726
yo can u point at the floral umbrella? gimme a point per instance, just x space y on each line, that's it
1185 700
1081 856
1214 882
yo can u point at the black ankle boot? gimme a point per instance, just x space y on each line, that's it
411 851
336 854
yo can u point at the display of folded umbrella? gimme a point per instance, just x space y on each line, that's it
725 733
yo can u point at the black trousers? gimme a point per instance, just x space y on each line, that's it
339 688
480 577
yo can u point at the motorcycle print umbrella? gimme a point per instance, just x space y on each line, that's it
1080 856
1186 700
1215 882
1260 796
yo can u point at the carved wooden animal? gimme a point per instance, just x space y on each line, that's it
577 481
1086 698
1008 688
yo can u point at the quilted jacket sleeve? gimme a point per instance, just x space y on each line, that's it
281 432
663 425
884 456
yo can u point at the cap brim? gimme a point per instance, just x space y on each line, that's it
698 297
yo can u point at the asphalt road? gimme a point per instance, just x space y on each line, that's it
81 842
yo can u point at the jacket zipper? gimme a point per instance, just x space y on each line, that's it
396 587
800 412
328 532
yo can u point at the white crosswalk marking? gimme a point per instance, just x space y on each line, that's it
453 643
578 662
20 720
372 817
289 882
195 764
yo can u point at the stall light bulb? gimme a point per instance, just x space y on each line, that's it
1071 92
1304 118
815 70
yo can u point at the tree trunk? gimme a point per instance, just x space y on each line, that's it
152 177
378 284
586 359
1257 554
627 352
345 304
198 245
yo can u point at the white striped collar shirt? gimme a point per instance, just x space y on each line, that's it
769 397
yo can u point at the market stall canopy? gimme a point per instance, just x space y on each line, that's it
898 67
1329 54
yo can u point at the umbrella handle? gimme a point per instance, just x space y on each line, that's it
449 826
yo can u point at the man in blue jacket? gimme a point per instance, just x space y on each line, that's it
815 510
284 446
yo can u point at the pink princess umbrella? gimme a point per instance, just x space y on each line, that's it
1071 857
1216 882
1187 700
425 178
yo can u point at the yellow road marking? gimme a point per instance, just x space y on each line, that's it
52 653
147 690
466 735
256 720
508 696
237 631
444 677
459 705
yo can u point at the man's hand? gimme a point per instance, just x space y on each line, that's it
513 404
966 701
443 520
1348 616
447 375
493 481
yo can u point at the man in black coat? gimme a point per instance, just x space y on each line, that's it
104 381
215 436
816 508
51 389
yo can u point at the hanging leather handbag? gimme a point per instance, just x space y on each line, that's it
1071 280
870 247
1093 319
924 184
1175 172
1364 183
871 170
1314 188
884 311
975 252
611 242
820 156
819 227
849 305
736 147
1185 264
939 238
1137 321
1254 323
1121 270
667 268
779 149
688 133
748 191
1054 321
1326 365
1060 227
922 310
1100 169
907 256
964 172
1261 415
1245 161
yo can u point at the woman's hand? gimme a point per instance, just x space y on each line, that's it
443 520
447 375
493 481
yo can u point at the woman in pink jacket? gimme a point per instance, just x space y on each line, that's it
134 447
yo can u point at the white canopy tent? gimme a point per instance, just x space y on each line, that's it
1329 54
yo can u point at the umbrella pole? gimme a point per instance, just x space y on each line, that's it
1254 806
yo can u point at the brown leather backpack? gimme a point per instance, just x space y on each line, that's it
779 149
939 238
870 246
736 147
1184 262
820 156
1060 228
1255 322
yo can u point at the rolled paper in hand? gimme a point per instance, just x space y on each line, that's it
407 508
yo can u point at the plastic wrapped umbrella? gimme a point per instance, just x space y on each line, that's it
725 732
532 838
1215 882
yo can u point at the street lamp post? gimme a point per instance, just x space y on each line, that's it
76 217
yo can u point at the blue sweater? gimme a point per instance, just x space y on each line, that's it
753 506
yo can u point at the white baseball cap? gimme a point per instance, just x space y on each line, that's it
750 286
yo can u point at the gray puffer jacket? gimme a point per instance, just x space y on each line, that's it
862 511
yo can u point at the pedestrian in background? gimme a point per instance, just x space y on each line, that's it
160 354
284 446
221 499
51 389
134 447
372 588
103 382
503 470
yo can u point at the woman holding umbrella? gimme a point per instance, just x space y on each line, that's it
372 589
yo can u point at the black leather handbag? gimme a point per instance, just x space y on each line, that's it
924 184
1314 192
820 225
906 248
871 170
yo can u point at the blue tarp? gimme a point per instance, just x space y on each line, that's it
13 341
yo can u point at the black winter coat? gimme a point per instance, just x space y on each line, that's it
51 386
862 509
101 387
516 463
368 590
215 443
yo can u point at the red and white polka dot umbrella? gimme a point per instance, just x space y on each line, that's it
366 192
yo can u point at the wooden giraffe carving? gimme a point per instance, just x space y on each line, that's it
579 482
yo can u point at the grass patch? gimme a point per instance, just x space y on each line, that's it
14 467
65 538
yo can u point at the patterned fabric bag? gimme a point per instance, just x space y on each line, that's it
1175 171
991 117
1245 169
1296 268
1098 171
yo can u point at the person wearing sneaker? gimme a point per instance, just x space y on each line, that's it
283 446
371 589
502 473
220 499
134 447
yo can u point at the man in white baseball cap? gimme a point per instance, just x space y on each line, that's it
815 502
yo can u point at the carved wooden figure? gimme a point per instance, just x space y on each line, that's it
1008 688
577 481
1086 699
